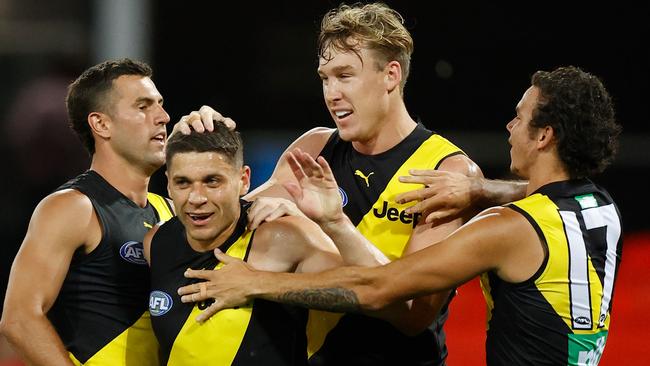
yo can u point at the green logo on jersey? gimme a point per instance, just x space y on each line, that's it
587 201
586 349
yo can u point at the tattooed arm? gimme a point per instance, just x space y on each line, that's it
498 239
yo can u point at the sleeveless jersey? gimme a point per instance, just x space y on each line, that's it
259 333
101 311
368 185
561 315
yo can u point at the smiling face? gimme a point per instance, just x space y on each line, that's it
205 188
138 121
356 92
523 151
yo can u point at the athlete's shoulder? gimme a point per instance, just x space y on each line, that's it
461 163
66 201
286 227
64 218
313 140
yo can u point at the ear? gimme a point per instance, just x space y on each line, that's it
545 136
245 180
393 76
169 191
100 124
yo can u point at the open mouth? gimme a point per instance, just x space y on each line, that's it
342 114
160 137
199 218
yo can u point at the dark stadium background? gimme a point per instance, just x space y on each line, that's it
256 61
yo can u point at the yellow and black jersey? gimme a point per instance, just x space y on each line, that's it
368 185
561 315
259 333
101 311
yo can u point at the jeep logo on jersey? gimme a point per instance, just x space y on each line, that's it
133 251
159 303
394 214
344 197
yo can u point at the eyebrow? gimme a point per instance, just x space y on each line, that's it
337 69
148 100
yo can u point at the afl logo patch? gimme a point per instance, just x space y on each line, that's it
344 197
159 303
133 252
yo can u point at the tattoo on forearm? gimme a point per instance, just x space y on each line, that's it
331 299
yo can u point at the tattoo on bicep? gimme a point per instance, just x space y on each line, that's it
330 299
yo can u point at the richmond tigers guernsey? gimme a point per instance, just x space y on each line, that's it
368 186
259 333
561 315
101 311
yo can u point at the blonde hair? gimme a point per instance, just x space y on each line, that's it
373 26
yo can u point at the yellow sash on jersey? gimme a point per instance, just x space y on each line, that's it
217 340
554 283
161 206
136 346
390 236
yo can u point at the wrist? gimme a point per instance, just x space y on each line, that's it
336 225
480 194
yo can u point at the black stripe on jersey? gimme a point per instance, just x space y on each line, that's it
450 155
102 294
168 246
542 238
345 161
596 238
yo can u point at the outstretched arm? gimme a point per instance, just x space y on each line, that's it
449 194
486 243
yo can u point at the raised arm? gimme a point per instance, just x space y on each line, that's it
62 223
449 194
316 194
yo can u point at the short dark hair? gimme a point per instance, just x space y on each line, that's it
221 140
89 92
579 109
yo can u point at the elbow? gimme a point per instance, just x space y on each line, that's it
8 326
15 323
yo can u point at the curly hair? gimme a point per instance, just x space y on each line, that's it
89 93
373 26
580 110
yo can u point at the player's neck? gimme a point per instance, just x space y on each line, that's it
392 129
131 181
545 173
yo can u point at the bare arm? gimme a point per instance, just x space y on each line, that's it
62 222
497 239
316 193
289 244
448 194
